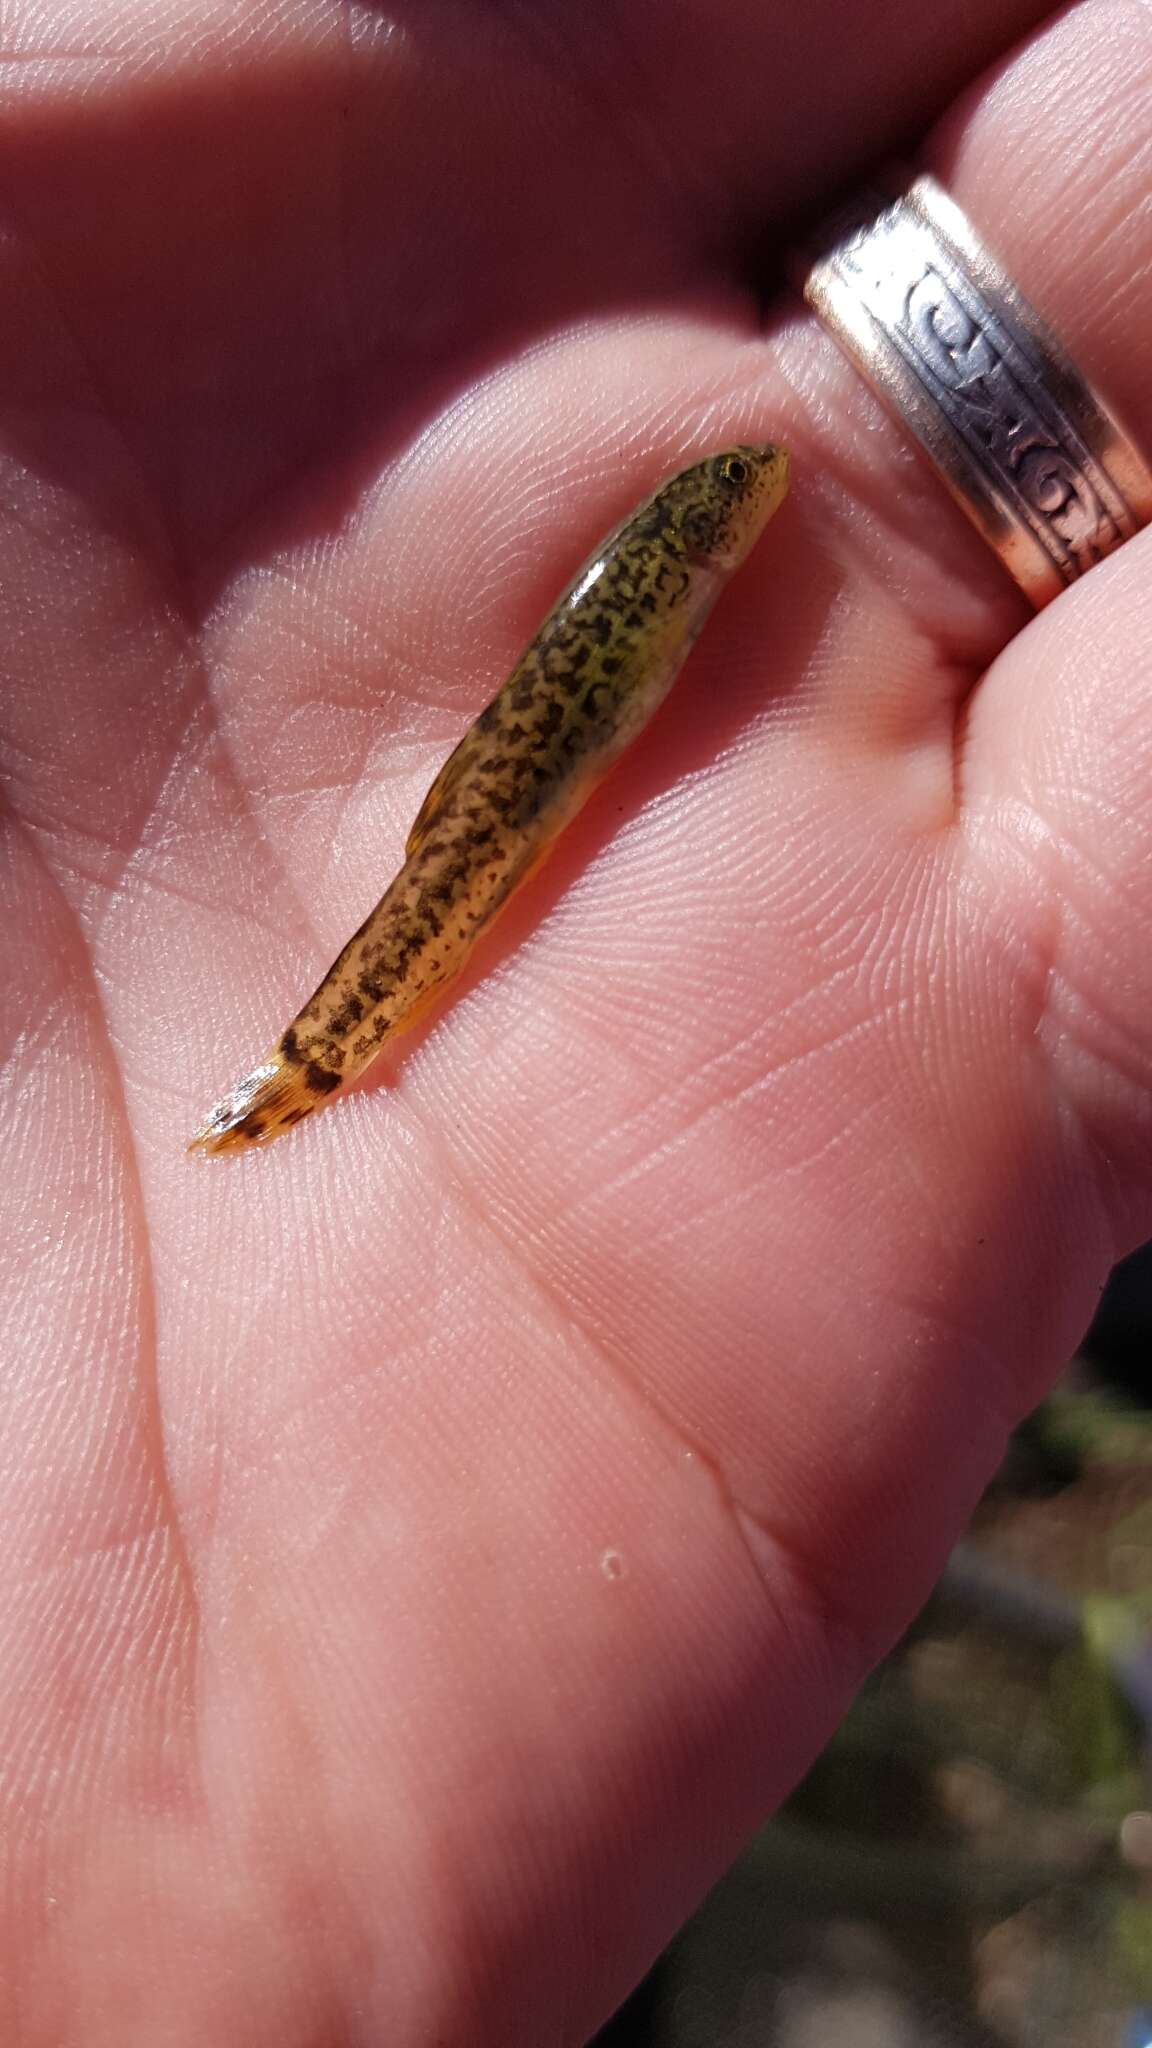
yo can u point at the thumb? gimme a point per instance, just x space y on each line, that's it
1058 784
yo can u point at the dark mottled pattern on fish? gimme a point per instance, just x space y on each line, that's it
589 681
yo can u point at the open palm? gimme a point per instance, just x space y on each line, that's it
428 1547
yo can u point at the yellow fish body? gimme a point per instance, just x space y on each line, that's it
603 660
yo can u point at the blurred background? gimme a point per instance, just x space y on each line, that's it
969 1864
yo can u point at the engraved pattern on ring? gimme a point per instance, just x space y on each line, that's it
990 387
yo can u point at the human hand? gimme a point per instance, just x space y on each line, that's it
431 1546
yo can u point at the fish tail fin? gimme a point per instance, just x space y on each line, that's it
272 1098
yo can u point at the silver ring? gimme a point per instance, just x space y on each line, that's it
1036 460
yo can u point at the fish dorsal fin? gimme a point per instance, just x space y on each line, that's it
439 794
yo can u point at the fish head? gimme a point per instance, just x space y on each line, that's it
716 510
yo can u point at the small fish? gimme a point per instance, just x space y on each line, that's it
603 660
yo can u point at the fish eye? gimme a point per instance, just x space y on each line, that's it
735 470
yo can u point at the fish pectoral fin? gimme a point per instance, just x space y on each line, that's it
439 793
